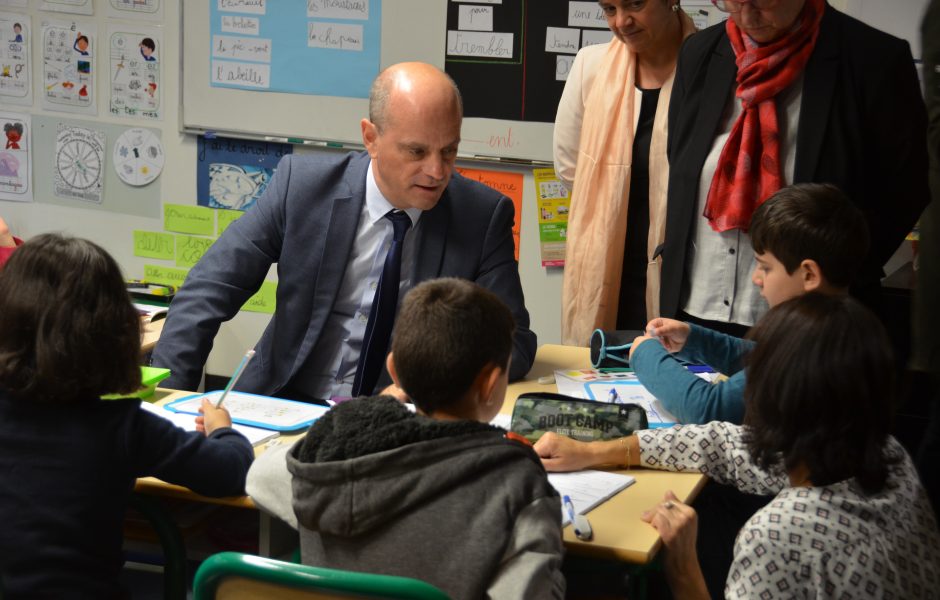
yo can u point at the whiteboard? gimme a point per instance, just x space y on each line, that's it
411 30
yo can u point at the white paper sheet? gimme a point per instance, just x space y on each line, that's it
587 489
255 435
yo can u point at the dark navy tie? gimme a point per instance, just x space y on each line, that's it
382 316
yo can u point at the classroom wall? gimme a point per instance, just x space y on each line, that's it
178 185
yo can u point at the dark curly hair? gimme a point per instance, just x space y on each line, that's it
820 390
68 330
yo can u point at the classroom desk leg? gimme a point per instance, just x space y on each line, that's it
276 539
174 551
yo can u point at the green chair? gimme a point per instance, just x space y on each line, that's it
236 576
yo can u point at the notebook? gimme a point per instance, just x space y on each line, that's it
255 435
258 411
587 489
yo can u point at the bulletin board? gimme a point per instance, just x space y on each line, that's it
505 55
116 195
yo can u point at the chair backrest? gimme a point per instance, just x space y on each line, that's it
236 576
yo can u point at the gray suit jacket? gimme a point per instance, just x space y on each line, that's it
306 222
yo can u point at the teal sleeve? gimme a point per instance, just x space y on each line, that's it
722 352
689 397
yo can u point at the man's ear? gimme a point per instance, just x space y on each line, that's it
369 134
811 275
390 365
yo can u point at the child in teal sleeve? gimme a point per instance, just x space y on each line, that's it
806 237
68 335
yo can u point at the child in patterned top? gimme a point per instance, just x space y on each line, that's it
850 518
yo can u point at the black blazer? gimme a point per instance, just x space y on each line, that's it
862 128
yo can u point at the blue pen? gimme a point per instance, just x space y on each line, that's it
613 396
580 523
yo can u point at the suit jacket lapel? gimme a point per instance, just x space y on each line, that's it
819 81
432 235
345 208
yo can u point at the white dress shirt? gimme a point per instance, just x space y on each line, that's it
331 366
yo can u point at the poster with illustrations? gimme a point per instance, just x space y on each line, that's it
234 173
15 37
136 87
138 156
79 163
150 10
77 7
68 66
16 165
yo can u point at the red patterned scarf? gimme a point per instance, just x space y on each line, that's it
749 168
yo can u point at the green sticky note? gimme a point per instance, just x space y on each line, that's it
226 217
153 244
190 249
264 300
165 275
182 218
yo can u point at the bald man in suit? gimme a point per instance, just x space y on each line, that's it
321 221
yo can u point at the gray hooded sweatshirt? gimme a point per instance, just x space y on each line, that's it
379 489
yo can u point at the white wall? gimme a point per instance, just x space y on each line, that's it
113 230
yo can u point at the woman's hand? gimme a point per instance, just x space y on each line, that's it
561 453
673 334
677 524
212 418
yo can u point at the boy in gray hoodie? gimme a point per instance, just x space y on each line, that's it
437 494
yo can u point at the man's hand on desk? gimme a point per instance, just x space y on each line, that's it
561 453
212 418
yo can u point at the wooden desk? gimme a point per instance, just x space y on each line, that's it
619 533
151 335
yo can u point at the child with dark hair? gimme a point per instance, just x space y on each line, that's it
68 335
850 518
439 494
806 237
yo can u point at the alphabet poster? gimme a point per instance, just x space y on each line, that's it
68 66
136 85
15 38
16 166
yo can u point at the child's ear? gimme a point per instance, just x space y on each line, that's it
812 275
486 382
390 365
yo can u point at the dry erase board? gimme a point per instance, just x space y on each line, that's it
409 30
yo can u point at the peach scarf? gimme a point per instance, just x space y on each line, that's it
598 215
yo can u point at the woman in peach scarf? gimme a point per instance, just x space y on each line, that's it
610 148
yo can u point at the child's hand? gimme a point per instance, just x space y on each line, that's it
673 334
6 238
212 418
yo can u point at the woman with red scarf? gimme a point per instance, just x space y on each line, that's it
785 91
8 243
